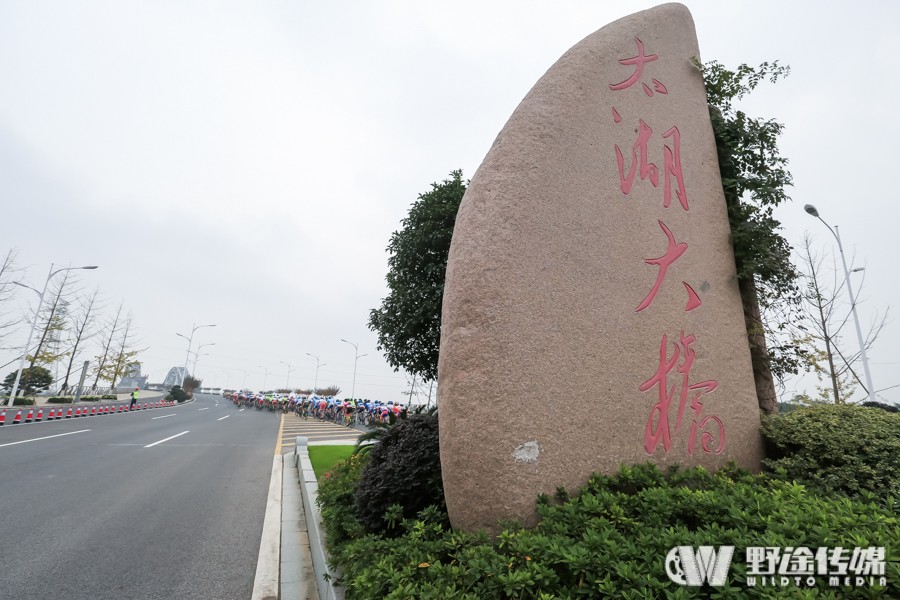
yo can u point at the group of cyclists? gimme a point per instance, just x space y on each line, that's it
347 412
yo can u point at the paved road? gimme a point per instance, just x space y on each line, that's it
98 514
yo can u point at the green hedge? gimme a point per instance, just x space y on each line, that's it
608 540
832 482
847 449
109 397
60 399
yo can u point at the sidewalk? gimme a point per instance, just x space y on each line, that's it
298 579
126 396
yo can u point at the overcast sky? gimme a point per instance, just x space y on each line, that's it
244 163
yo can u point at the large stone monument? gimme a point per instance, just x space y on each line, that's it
591 313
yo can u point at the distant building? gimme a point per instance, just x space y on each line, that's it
133 377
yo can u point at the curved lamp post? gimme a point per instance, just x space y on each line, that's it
188 355
355 359
316 384
809 208
15 387
266 376
287 383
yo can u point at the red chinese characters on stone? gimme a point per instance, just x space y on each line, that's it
640 163
638 62
674 250
659 427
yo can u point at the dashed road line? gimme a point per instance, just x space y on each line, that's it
225 417
163 416
171 437
207 408
46 437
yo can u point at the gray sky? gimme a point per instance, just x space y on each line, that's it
244 163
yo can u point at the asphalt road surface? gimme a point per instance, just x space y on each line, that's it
117 507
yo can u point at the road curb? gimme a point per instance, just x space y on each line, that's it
265 584
309 489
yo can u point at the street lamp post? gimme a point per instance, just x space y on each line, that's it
188 355
316 384
266 376
356 358
287 383
15 388
809 208
197 353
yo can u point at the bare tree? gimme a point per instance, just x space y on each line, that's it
825 316
110 330
53 323
82 328
7 288
124 354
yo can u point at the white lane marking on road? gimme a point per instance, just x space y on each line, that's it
46 437
207 408
163 416
171 437
242 410
225 417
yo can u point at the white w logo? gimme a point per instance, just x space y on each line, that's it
685 567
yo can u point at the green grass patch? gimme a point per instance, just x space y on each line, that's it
323 458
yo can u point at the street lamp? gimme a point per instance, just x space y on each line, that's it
355 359
197 353
15 388
266 376
809 208
188 355
316 384
287 383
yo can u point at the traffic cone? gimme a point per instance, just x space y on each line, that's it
30 415
18 418
120 409
2 417
105 410
145 406
50 414
40 415
69 413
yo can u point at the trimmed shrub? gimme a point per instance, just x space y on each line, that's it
848 449
337 489
177 394
20 401
60 399
90 398
404 470
109 397
881 405
611 540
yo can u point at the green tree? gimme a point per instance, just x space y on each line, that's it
34 379
408 323
755 178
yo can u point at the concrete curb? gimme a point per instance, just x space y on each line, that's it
266 584
309 489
